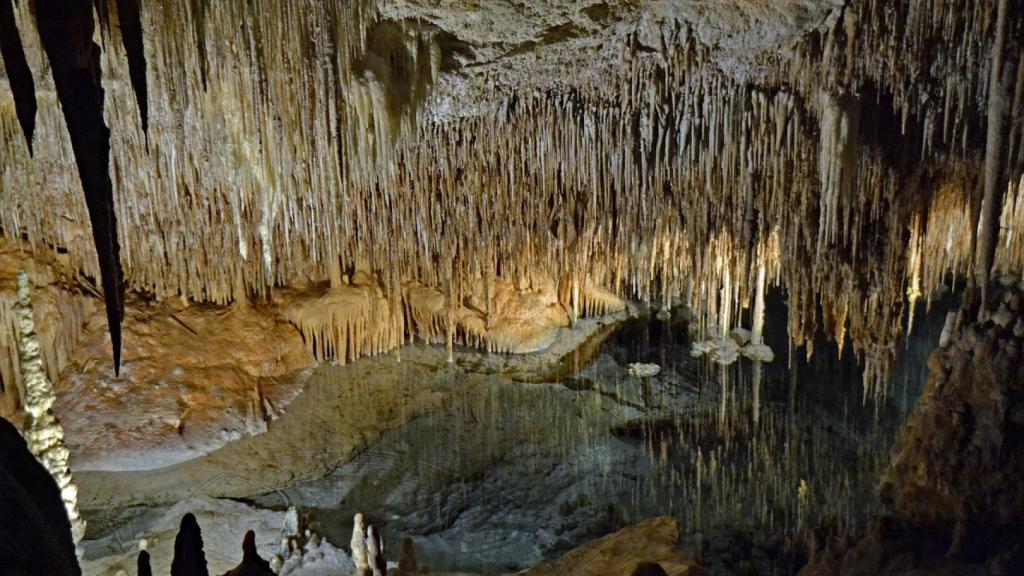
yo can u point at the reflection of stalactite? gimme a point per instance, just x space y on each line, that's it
44 434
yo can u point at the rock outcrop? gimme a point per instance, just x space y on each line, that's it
956 466
193 378
960 456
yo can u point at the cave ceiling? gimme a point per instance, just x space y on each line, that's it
669 151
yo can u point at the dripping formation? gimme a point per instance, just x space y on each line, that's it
705 172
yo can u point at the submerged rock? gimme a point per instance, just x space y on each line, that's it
641 370
651 542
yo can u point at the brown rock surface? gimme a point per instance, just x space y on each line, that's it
60 316
192 378
620 552
956 466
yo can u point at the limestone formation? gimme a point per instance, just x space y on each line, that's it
59 315
651 542
407 559
189 557
375 551
290 533
252 564
360 550
34 529
834 149
43 431
959 456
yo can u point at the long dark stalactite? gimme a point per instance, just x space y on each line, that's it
66 30
19 75
129 16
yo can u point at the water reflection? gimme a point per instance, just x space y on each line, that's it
505 473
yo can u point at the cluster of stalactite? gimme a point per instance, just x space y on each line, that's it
285 142
353 316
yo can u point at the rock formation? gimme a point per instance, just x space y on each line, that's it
35 530
59 316
651 542
956 464
272 184
44 433
691 154
252 564
960 455
189 558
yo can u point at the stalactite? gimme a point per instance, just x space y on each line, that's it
1005 59
129 17
23 89
66 30
306 132
43 432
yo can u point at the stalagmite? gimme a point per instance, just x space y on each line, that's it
360 551
251 564
407 559
43 432
290 544
189 557
375 551
143 567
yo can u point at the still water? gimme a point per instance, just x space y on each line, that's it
506 473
